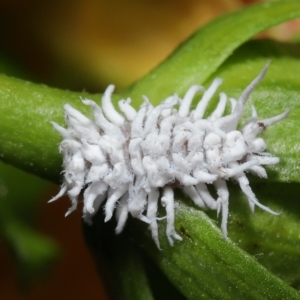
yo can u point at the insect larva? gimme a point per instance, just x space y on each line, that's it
132 160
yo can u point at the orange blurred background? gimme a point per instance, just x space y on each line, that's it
89 44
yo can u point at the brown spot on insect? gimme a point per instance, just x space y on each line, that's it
261 125
243 159
174 184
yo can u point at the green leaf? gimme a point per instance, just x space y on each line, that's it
206 266
201 55
274 241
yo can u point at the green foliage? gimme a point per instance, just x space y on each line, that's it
204 265
33 253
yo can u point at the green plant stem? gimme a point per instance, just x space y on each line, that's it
27 138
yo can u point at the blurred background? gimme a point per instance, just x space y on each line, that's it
83 46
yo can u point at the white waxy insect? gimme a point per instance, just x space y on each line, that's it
131 161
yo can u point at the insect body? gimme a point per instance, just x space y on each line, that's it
131 160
